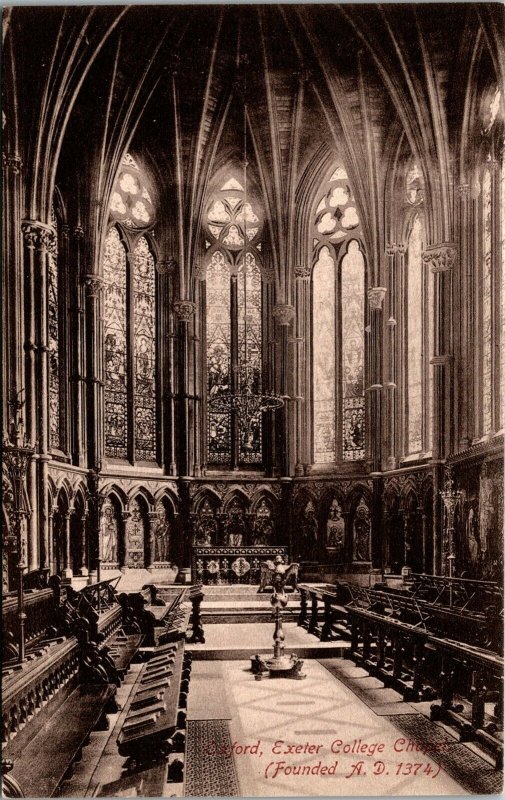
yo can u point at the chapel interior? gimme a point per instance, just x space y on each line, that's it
253 317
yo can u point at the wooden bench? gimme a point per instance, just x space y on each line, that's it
334 614
48 757
122 648
156 707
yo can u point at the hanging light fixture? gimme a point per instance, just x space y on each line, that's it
243 400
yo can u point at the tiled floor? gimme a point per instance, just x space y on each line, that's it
255 635
312 714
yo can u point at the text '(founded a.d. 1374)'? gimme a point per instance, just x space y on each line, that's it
346 758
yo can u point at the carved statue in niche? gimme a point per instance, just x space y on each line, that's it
135 530
235 526
109 533
206 528
161 537
486 509
361 532
472 538
263 526
335 528
310 539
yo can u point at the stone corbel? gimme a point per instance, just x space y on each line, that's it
302 272
184 310
441 257
376 295
94 285
283 313
166 266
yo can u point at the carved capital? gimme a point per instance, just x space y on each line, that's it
391 249
184 309
12 163
166 266
78 234
283 313
65 231
441 257
46 239
94 285
464 190
302 272
376 295
37 236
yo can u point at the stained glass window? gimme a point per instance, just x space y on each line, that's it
130 344
53 336
114 274
144 312
324 356
338 286
353 352
218 355
487 331
414 304
233 235
249 347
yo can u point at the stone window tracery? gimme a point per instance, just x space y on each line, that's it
338 307
233 322
130 321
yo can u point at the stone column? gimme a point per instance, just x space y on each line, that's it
167 269
234 373
46 238
153 517
50 549
376 297
84 566
125 516
465 321
407 544
94 357
78 357
67 569
283 314
184 311
302 371
441 259
424 538
37 237
390 360
13 285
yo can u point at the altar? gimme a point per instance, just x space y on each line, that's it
229 565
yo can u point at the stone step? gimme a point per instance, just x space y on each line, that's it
248 616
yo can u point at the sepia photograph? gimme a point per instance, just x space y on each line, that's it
253 396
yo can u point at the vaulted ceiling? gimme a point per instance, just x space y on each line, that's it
83 84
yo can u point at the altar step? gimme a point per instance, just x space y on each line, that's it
246 615
241 641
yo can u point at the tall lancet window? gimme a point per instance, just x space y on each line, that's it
53 336
418 316
338 308
233 283
414 360
490 279
130 320
115 335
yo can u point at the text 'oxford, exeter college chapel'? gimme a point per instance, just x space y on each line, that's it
254 307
